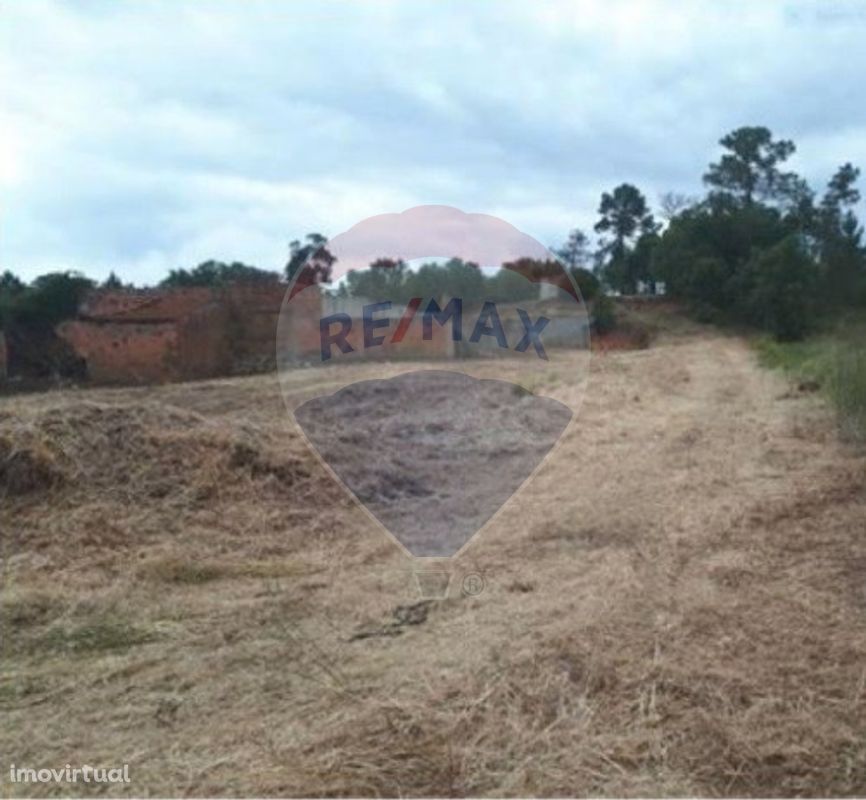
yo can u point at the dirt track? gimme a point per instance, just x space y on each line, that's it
676 605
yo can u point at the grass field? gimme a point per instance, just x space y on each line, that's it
834 361
675 606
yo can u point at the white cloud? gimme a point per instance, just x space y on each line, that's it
144 136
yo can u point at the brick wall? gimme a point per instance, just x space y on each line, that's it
124 352
161 305
254 311
204 345
301 325
182 334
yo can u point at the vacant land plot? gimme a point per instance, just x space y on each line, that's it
675 605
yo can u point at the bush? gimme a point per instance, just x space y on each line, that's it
603 314
217 273
781 285
48 300
587 283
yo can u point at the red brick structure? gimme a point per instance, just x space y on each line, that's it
154 335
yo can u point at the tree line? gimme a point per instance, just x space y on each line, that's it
760 247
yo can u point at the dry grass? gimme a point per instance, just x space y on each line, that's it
676 606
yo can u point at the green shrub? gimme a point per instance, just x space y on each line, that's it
587 283
50 299
782 285
603 314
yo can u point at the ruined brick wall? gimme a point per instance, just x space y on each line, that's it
123 352
152 352
254 311
204 346
187 333
301 327
157 305
150 336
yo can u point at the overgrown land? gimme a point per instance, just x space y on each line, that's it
675 605
832 360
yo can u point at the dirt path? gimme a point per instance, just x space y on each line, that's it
676 605
710 555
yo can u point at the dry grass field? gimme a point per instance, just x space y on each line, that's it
676 605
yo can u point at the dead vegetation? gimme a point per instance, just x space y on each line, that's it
675 607
27 467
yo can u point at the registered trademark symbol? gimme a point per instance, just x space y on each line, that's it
473 584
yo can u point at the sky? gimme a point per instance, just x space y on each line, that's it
144 136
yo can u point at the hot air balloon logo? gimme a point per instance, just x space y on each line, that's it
430 399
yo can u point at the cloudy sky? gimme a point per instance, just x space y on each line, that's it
149 135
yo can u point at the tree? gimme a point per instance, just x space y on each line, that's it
603 314
11 289
639 261
625 217
312 257
112 282
750 169
454 278
587 282
575 255
673 203
11 284
50 299
837 206
426 281
237 272
464 279
840 189
782 294
29 315
509 286
384 279
840 236
575 252
217 273
703 250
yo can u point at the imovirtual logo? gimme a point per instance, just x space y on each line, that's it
418 354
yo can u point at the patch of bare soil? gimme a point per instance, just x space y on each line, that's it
433 454
673 606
